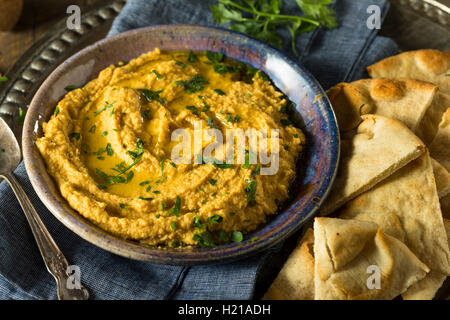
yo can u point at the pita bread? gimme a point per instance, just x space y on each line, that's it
426 288
379 147
445 206
429 125
401 99
406 206
296 279
345 249
426 65
442 177
440 146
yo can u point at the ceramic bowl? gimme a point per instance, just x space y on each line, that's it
316 168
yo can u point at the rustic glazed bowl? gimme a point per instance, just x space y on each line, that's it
316 168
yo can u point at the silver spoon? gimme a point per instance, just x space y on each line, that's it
54 260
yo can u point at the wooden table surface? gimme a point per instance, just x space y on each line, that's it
37 17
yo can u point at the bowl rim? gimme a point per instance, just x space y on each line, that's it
136 251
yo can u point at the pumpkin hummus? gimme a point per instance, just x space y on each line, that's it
108 146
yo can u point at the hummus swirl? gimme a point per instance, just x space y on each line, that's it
108 147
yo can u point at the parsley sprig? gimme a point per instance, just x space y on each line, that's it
261 18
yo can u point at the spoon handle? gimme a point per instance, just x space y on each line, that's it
54 260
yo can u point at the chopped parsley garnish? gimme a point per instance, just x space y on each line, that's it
173 225
214 57
156 192
236 236
4 79
253 239
101 187
145 199
206 107
122 205
176 208
181 64
92 129
145 114
109 150
105 133
158 75
161 179
192 57
139 150
72 87
204 239
215 219
148 189
219 92
285 122
212 181
173 164
196 83
198 222
193 109
251 192
22 114
56 111
223 165
223 68
163 206
75 135
152 95
107 106
143 183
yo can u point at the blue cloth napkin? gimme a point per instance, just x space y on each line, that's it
332 56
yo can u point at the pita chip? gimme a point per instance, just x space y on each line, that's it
426 65
345 250
406 206
405 100
379 147
440 146
426 288
445 206
442 177
429 125
296 279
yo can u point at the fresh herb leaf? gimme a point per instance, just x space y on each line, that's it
192 57
158 75
107 106
214 57
219 92
176 208
109 150
72 87
4 79
181 64
196 83
22 114
152 95
146 199
75 135
251 192
262 18
193 109
215 219
57 111
173 225
212 181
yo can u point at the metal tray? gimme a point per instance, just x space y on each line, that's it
413 24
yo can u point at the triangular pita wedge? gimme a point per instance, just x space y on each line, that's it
442 177
426 288
429 125
440 146
445 206
346 251
406 206
426 65
379 147
405 100
296 279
